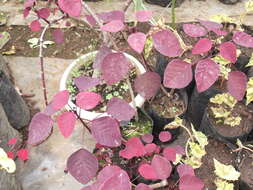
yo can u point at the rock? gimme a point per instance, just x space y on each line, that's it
15 107
7 181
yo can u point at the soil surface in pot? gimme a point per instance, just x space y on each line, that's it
246 169
220 152
245 126
120 89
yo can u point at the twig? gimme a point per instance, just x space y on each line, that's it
128 3
132 97
173 14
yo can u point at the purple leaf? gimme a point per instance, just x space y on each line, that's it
167 43
85 83
87 100
178 74
143 15
243 39
44 13
150 148
161 166
210 25
147 171
179 149
49 110
66 123
35 26
189 182
120 109
165 136
58 36
194 30
29 3
60 99
202 46
82 165
26 12
137 41
219 32
106 131
102 53
147 138
39 129
184 169
147 84
114 68
237 84
142 186
169 154
134 148
113 26
206 73
228 51
106 17
71 7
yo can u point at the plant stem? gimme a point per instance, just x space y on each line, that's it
128 3
132 97
173 14
163 183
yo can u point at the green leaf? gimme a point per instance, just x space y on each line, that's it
193 161
249 94
223 185
250 61
226 172
174 124
33 42
200 137
196 150
249 6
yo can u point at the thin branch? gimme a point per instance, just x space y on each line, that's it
128 3
132 97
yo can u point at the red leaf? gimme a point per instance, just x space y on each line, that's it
194 30
113 26
165 136
12 141
167 43
23 154
87 100
120 109
106 17
102 53
147 138
237 84
106 131
243 39
150 148
35 26
142 186
60 99
29 3
26 12
134 148
147 171
85 83
39 128
189 182
71 7
202 46
58 36
10 155
178 74
184 169
82 165
143 15
228 51
137 41
147 84
169 154
114 68
161 166
206 73
210 25
66 123
219 32
44 13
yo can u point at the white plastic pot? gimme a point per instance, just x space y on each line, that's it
90 115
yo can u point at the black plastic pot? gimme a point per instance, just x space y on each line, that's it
246 170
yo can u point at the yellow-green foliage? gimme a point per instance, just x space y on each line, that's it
226 172
6 163
249 95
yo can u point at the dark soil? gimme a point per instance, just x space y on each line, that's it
246 169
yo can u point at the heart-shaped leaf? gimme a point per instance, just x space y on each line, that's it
66 123
150 148
106 131
143 15
194 30
147 138
243 39
164 136
167 43
26 12
58 36
85 83
106 17
228 51
82 165
60 99
71 7
87 100
114 68
189 182
210 25
147 171
134 148
120 109
161 166
113 26
137 41
184 169
170 154
178 74
35 26
206 73
202 46
39 129
102 53
237 84
43 13
142 186
147 84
